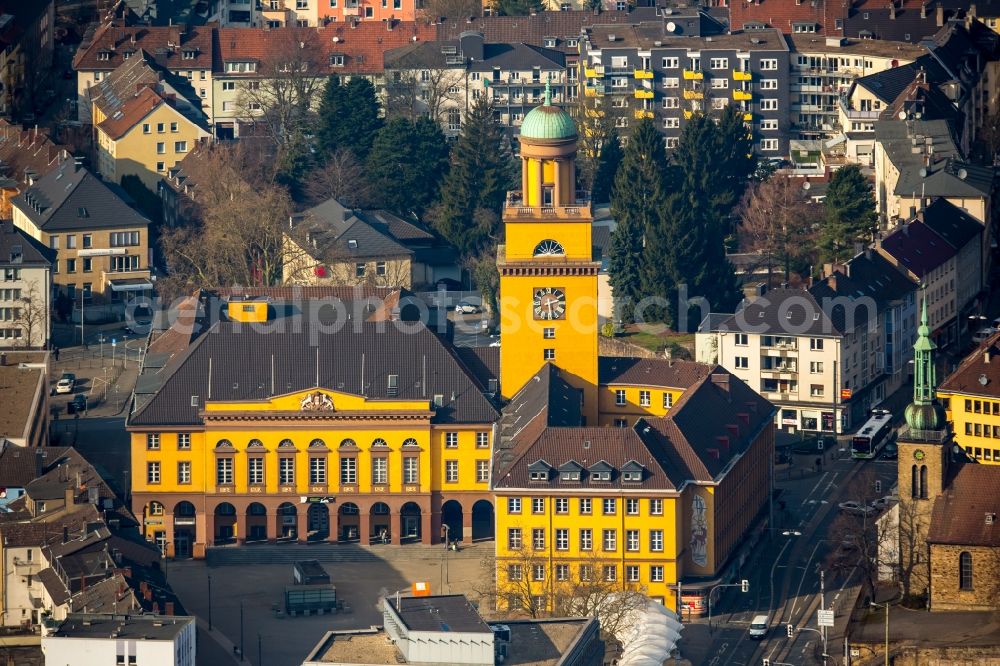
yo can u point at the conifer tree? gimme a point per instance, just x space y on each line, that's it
348 117
406 164
850 214
637 199
482 170
607 166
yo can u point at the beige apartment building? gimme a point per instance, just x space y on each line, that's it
101 243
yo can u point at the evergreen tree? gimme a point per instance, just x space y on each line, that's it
688 249
406 164
607 166
850 214
295 160
519 7
482 170
348 117
637 199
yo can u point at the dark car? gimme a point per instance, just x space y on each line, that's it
77 404
890 451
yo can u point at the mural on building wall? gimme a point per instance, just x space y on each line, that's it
699 532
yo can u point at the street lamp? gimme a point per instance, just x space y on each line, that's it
886 604
210 602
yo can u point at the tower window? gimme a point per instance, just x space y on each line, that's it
549 354
549 248
965 571
923 482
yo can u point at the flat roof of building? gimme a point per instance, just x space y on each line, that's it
646 35
532 643
449 613
872 47
135 627
18 386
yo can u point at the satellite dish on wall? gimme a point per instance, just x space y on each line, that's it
923 173
901 115
984 380
963 174
671 26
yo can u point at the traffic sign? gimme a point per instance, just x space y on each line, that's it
824 618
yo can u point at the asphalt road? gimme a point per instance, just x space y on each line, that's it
784 578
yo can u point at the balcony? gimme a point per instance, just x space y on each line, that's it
688 114
742 76
857 115
643 113
351 11
593 91
515 208
619 71
748 117
742 96
690 75
643 93
643 74
593 72
693 94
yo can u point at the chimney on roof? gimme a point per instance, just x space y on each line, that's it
168 608
70 497
723 440
939 15
986 356
39 453
923 9
65 534
721 380
892 9
734 431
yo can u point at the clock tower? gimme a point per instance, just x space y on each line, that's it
548 276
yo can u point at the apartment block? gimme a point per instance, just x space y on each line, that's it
654 70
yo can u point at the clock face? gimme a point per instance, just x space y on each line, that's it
549 303
918 455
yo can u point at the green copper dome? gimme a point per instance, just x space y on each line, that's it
548 122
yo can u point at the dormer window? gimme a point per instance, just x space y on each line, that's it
539 471
336 60
549 42
539 476
189 54
569 476
104 55
601 471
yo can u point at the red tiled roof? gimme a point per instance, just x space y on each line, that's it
959 516
982 363
132 111
28 149
166 44
624 370
362 44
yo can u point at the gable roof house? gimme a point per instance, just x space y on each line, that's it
25 154
101 241
145 120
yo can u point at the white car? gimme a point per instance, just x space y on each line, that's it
856 508
66 383
467 308
982 334
884 502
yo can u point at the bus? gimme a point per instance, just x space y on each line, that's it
869 439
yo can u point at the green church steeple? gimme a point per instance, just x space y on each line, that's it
925 412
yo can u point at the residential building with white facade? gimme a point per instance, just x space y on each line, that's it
25 289
825 356
91 639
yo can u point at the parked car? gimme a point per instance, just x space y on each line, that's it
466 307
890 451
77 404
857 508
982 334
884 502
758 627
66 383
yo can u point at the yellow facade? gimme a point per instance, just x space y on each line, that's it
155 143
623 404
331 457
976 423
640 532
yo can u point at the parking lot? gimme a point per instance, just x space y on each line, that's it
285 641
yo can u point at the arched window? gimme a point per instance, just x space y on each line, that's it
317 444
155 509
549 248
347 442
410 442
286 444
923 482
914 487
379 443
224 444
255 444
965 571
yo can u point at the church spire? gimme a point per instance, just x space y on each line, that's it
924 413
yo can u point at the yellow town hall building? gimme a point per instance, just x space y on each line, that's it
331 414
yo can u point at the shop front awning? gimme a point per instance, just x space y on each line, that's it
131 284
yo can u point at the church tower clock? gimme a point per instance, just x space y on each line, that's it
548 276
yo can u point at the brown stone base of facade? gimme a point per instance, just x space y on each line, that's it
183 525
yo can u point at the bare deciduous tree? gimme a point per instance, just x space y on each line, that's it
234 233
342 178
856 539
32 313
458 9
778 221
595 119
431 92
282 97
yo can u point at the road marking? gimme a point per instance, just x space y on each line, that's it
817 486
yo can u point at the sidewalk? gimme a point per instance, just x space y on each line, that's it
106 382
